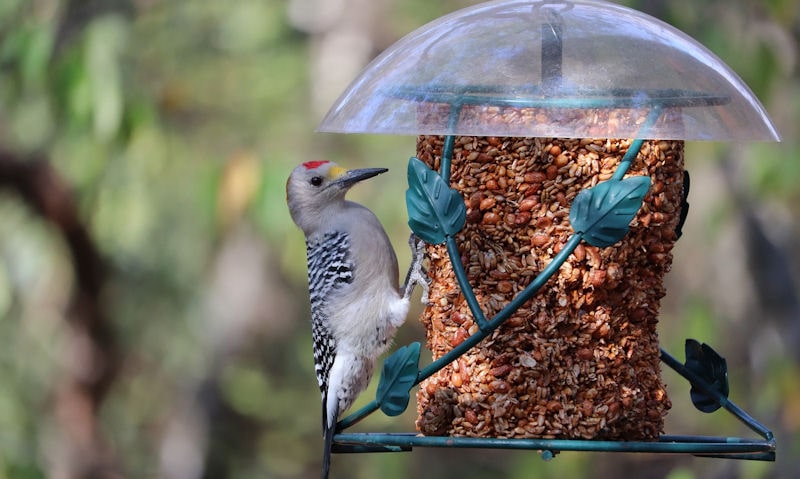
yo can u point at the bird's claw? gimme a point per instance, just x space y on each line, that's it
417 275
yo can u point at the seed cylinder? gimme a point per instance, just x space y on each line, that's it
580 360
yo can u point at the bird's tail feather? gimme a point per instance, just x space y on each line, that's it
330 430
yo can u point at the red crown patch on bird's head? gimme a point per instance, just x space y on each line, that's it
310 165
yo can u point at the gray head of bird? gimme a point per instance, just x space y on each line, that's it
315 186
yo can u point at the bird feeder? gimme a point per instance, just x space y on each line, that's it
549 185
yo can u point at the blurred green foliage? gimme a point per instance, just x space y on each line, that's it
175 124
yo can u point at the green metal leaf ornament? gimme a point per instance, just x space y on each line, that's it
706 363
602 214
435 211
398 377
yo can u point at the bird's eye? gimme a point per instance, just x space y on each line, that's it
316 180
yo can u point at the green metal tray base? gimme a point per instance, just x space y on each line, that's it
705 446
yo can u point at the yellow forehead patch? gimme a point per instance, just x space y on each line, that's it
336 171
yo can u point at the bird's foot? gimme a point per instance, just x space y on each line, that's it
416 272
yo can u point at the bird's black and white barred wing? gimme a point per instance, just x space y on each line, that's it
329 267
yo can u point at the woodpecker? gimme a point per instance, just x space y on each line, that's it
356 301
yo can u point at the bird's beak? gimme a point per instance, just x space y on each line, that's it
344 179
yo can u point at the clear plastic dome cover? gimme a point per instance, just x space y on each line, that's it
540 68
